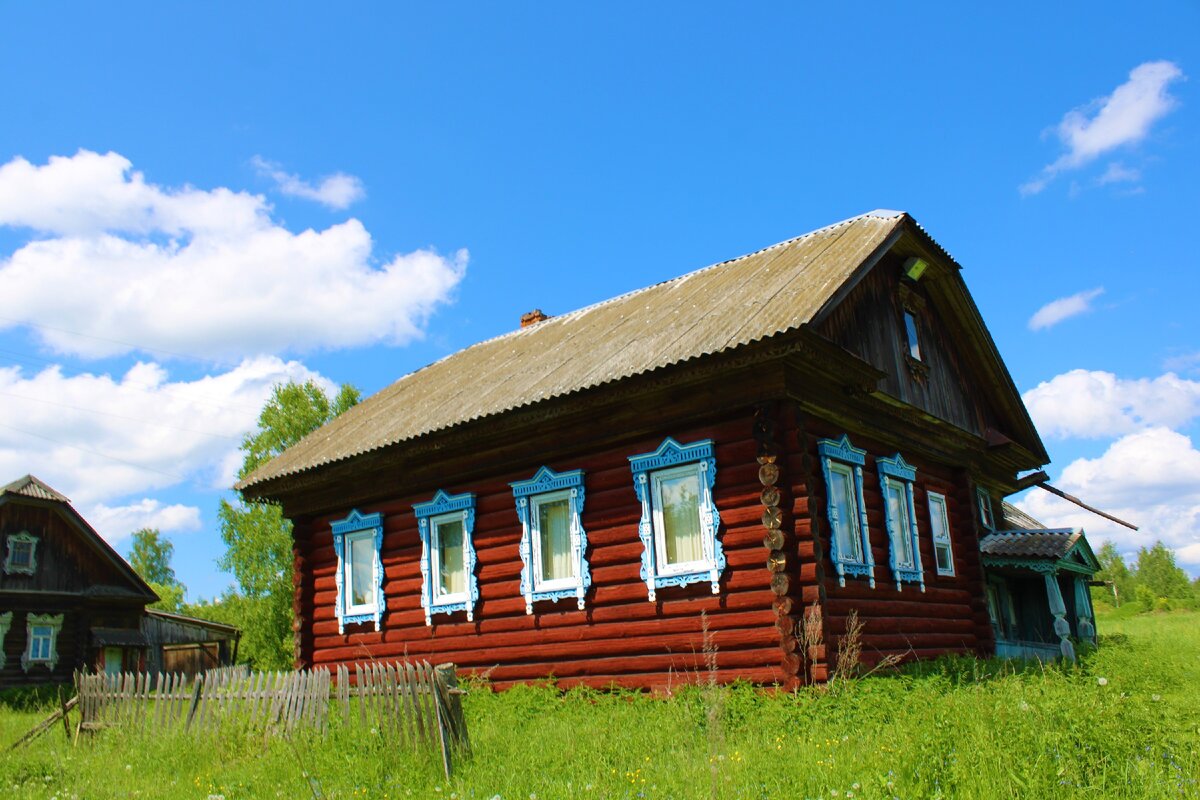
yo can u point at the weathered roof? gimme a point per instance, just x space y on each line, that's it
720 307
30 486
119 637
1039 544
1015 519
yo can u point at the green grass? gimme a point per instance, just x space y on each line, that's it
1123 723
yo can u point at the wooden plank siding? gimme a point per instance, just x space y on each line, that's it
621 638
950 616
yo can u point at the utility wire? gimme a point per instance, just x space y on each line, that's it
119 416
95 453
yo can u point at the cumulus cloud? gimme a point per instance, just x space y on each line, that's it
122 265
1150 478
101 439
1056 311
1119 173
116 523
1094 404
1122 118
337 191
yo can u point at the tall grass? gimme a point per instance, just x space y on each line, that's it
1125 722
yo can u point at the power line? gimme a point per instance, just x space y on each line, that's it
119 416
130 345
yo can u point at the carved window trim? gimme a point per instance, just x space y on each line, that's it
896 474
17 542
5 624
356 527
840 457
939 510
649 469
52 624
431 515
544 487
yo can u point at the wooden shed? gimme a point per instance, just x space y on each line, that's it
816 428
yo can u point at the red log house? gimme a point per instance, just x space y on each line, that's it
821 427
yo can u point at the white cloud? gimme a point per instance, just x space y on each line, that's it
1093 404
1107 123
1150 478
1119 173
336 191
124 265
1056 311
116 524
99 439
1185 362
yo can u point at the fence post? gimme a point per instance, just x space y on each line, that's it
447 678
195 701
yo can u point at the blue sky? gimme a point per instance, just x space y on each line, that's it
196 202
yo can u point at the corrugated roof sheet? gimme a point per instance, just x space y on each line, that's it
30 486
1040 544
717 308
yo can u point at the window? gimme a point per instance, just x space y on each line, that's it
448 581
41 648
984 500
553 542
680 522
939 523
910 330
22 554
5 624
358 542
849 542
896 478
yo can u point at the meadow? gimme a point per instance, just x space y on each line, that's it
1123 722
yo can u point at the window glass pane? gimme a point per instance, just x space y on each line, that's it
681 518
941 551
910 328
362 569
898 517
554 538
22 553
937 519
451 576
845 510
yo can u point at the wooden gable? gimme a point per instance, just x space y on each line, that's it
959 376
71 558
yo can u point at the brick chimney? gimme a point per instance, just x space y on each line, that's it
533 317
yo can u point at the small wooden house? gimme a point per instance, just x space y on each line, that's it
818 428
67 600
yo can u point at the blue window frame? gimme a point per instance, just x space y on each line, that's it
939 525
41 641
22 554
553 541
680 524
849 540
896 477
358 542
448 582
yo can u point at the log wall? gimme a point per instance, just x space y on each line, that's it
950 616
621 638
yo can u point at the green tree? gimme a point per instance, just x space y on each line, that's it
150 556
1113 569
257 537
1157 571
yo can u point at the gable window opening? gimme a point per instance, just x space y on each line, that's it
939 524
850 544
41 648
358 544
896 478
448 582
553 541
680 523
910 330
22 554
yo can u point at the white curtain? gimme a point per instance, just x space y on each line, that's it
554 539
681 518
451 570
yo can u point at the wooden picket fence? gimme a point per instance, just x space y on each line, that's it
414 704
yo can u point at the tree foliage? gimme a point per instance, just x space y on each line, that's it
1154 583
257 537
150 556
